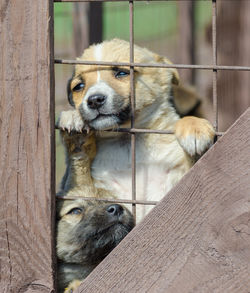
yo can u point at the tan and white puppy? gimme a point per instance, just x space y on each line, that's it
101 97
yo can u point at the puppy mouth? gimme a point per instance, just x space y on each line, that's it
105 121
106 228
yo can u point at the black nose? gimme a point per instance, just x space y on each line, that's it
96 101
115 210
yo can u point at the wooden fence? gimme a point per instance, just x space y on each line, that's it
27 170
196 241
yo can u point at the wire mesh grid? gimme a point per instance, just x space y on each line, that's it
132 130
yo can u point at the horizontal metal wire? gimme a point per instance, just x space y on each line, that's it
150 65
147 1
138 130
113 200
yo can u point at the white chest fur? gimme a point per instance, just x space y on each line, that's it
158 167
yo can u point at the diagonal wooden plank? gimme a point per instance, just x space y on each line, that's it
26 146
197 238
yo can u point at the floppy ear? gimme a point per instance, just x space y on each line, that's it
69 92
186 100
175 74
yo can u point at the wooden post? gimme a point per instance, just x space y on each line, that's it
197 238
233 26
27 182
87 24
81 27
186 19
95 22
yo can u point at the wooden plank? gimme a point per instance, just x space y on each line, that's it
197 238
27 146
80 27
233 26
87 25
95 22
187 48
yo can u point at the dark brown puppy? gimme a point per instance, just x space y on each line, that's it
86 232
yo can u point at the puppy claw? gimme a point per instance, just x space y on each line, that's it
195 135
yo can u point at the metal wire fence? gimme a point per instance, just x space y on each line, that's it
131 64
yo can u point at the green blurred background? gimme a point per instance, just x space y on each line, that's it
151 20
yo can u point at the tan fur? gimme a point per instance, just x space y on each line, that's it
192 134
80 151
161 160
186 100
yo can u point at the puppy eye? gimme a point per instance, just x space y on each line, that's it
78 87
75 211
120 73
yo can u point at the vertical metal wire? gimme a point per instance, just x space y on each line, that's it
215 75
132 102
193 52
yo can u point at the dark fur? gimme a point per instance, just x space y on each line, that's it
84 242
69 92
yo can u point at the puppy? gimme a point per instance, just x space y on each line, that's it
86 230
101 98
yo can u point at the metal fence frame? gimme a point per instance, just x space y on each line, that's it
131 64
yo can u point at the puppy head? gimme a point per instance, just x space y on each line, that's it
88 230
102 93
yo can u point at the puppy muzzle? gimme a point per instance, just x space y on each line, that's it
103 108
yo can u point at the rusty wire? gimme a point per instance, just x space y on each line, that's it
150 65
113 200
132 103
116 0
215 75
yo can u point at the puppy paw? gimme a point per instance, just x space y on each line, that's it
71 121
195 135
77 143
72 286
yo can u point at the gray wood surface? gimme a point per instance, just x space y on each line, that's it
197 239
26 146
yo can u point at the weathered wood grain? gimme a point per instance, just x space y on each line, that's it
26 146
197 239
